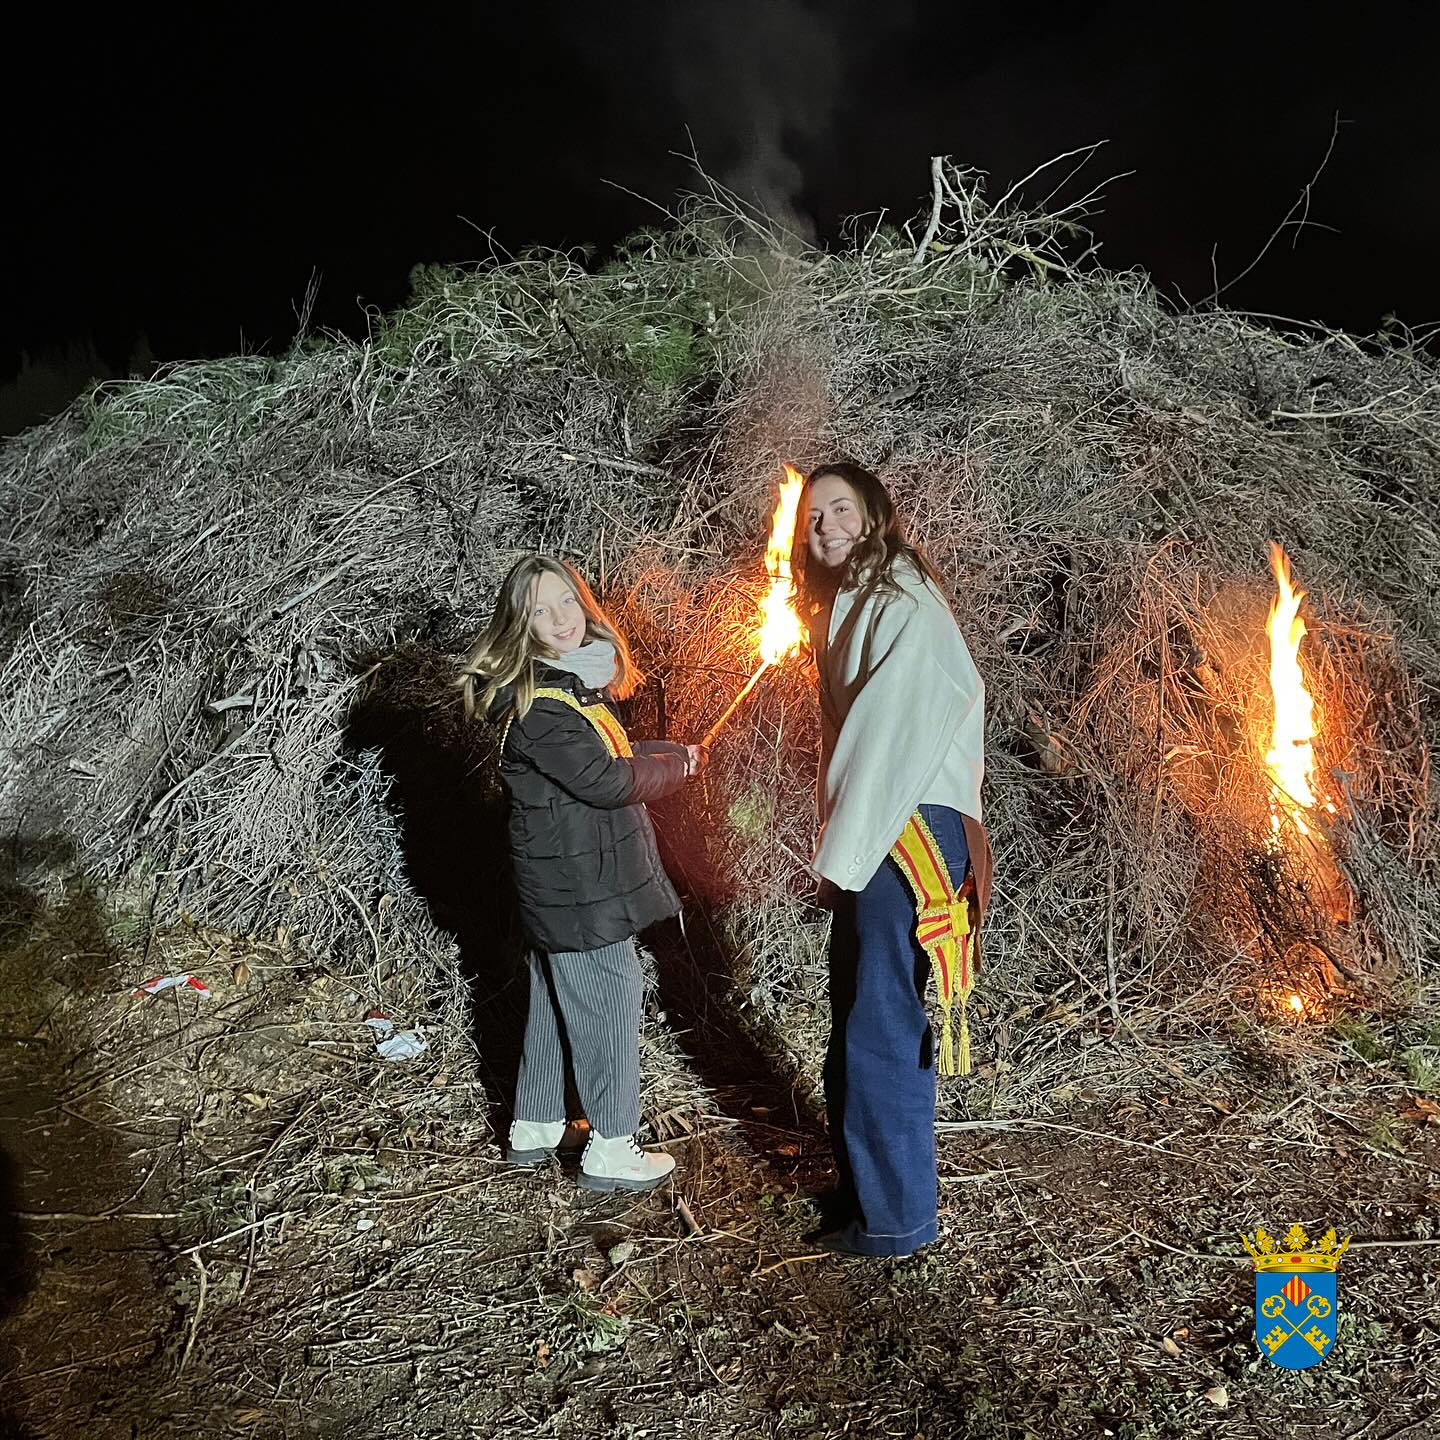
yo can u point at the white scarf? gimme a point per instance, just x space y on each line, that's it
593 663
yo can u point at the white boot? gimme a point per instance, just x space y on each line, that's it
621 1164
534 1141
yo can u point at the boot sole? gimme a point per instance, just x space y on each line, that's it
539 1157
610 1182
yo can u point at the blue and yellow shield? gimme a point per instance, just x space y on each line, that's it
1295 1316
1295 1304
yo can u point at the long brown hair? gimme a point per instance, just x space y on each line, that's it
871 564
506 652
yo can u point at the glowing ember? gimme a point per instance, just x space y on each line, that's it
1296 1004
1291 756
780 630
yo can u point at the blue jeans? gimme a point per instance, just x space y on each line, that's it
880 1066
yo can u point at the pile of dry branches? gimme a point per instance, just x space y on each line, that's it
231 596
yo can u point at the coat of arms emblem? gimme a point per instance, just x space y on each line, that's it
1295 1302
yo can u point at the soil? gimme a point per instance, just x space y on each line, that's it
86 1323
227 1216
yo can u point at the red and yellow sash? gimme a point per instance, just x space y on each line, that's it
942 926
609 729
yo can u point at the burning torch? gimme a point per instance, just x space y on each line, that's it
779 630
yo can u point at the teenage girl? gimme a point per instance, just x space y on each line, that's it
902 736
587 871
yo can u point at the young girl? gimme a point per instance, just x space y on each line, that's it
902 758
586 868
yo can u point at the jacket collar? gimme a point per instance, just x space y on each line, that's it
551 678
546 678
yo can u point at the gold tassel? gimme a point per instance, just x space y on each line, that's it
947 1043
964 1040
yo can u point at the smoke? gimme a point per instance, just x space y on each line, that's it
760 83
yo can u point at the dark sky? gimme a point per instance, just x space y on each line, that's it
181 178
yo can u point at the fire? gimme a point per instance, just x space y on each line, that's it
780 630
1290 758
1290 762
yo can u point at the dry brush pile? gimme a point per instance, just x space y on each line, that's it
232 594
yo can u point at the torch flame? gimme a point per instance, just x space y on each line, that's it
780 629
1291 756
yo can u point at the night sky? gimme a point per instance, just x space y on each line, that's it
173 183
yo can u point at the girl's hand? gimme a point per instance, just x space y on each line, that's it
696 758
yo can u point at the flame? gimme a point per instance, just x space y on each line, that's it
780 628
1290 758
1297 1004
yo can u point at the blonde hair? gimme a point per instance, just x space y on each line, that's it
506 652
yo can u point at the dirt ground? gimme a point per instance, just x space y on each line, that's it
230 1217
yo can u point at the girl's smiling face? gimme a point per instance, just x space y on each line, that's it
836 520
557 619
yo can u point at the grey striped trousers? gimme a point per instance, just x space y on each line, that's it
586 1003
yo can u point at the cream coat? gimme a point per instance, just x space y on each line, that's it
903 713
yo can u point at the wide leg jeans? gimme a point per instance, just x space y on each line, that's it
880 1066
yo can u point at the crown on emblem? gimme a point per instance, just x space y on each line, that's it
1295 1252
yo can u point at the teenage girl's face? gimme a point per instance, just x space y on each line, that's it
836 520
557 620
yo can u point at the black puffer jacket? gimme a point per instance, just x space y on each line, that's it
587 871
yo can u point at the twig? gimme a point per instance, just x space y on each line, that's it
199 1310
1390 1244
433 1194
88 1362
937 177
692 1226
794 1260
233 743
1245 1259
113 1213
1368 408
1110 941
374 938
1303 202
230 702
950 1126
979 1175
233 1234
1189 1254
633 467
1020 184
334 573
84 1217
